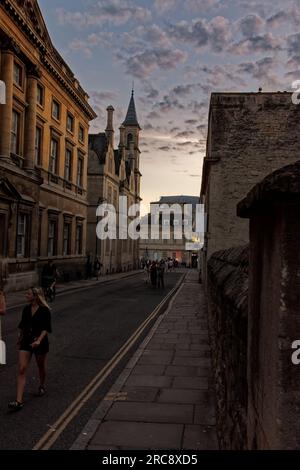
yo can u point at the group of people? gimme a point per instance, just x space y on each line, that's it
155 273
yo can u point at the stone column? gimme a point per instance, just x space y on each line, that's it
7 66
30 122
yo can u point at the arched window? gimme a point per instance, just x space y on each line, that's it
129 139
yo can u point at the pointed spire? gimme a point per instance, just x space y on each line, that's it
131 116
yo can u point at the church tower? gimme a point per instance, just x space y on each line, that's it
131 130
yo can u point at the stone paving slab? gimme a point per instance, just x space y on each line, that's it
138 435
151 412
164 398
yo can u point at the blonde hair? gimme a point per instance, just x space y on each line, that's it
40 298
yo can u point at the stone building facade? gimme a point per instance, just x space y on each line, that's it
249 136
173 248
43 150
113 173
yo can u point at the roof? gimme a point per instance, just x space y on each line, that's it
99 144
131 116
179 200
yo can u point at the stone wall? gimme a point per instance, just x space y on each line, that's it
227 306
252 329
250 135
273 207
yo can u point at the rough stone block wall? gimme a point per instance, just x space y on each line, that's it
251 135
228 311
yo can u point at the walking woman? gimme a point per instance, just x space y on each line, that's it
33 339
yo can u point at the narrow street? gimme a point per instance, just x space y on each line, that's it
89 327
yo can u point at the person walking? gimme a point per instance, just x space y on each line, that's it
97 268
161 275
33 339
153 274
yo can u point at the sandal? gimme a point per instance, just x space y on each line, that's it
15 405
41 391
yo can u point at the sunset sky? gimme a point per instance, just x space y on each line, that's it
177 53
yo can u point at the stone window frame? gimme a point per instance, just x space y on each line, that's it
56 102
19 107
81 128
54 137
68 222
39 155
15 134
79 181
42 88
79 241
72 117
52 217
18 65
26 235
68 178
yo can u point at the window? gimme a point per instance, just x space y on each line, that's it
40 233
52 237
68 165
53 156
81 133
40 95
15 132
56 110
129 139
22 235
38 146
67 238
18 75
80 172
79 232
70 122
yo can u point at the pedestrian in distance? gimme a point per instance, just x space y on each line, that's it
153 274
89 267
33 339
97 268
161 275
2 313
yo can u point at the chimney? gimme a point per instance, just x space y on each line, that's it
122 136
109 131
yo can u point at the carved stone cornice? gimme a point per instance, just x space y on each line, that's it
34 70
49 56
10 45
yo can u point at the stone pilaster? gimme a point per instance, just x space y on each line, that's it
30 122
7 66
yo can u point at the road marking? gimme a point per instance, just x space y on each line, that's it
51 436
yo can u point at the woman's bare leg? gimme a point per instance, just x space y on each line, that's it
24 360
42 365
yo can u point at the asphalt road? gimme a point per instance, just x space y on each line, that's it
89 327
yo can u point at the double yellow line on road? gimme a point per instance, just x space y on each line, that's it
51 436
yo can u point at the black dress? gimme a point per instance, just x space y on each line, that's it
32 326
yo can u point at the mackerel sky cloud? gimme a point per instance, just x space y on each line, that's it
176 53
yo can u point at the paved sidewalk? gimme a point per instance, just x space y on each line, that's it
14 299
164 398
